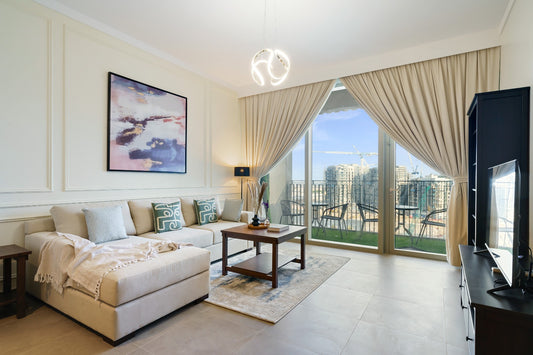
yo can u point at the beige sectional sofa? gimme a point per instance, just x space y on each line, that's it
206 236
141 293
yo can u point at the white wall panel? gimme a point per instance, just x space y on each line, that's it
225 137
24 101
53 75
517 64
86 115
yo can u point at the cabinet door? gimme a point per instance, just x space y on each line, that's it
468 314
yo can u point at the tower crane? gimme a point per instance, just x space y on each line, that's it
355 152
414 169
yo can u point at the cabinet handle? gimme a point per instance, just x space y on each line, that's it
469 339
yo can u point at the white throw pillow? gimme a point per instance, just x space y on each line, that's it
105 224
232 210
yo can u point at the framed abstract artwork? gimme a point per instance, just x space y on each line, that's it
147 128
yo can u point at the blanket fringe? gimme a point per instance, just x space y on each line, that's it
49 279
117 267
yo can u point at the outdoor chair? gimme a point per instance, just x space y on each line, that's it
368 214
335 213
291 209
430 220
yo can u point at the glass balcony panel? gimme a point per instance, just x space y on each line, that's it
422 197
285 202
344 191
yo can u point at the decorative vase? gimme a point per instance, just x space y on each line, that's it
261 214
255 221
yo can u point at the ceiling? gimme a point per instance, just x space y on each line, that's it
324 39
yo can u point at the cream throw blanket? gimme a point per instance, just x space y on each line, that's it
69 258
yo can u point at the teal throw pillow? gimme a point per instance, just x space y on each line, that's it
105 224
167 216
206 211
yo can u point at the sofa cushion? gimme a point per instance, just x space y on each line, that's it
70 218
216 227
189 211
167 216
139 279
198 237
143 214
105 223
232 210
206 211
39 225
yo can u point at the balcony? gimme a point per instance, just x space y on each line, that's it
415 199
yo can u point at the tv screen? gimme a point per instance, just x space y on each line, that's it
503 219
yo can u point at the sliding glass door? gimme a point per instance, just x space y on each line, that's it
356 188
344 191
421 203
286 198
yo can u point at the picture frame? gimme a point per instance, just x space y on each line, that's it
147 128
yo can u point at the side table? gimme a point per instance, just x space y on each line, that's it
7 252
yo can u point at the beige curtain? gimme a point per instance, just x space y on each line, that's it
423 107
274 122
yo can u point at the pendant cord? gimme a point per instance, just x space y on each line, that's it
264 24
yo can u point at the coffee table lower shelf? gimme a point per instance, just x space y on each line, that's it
260 266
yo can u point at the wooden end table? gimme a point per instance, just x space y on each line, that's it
262 265
8 252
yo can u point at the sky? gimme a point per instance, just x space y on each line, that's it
348 132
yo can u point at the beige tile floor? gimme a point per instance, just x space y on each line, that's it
374 304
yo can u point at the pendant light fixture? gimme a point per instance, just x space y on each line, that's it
273 64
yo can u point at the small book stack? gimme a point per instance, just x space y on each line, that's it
278 228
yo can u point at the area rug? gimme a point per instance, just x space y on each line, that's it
257 298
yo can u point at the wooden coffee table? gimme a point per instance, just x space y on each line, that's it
262 265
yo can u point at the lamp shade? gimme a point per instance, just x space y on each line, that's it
242 171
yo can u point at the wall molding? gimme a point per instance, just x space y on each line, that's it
49 114
50 98
505 17
137 188
103 40
38 212
21 219
110 31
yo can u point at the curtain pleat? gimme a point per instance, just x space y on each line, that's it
275 121
423 106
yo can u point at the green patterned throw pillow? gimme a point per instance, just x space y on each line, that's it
206 211
167 217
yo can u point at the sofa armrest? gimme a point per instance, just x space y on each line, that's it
246 216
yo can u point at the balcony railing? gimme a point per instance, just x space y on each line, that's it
421 196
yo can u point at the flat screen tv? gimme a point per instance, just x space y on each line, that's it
504 221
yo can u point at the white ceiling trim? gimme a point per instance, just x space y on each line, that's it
505 17
426 51
77 16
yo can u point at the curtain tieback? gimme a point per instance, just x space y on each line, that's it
460 179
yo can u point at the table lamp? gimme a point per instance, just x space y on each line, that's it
242 171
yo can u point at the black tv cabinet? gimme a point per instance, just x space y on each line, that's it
495 323
498 128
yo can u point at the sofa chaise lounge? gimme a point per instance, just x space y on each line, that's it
141 293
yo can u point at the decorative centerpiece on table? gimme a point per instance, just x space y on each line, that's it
256 195
266 221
